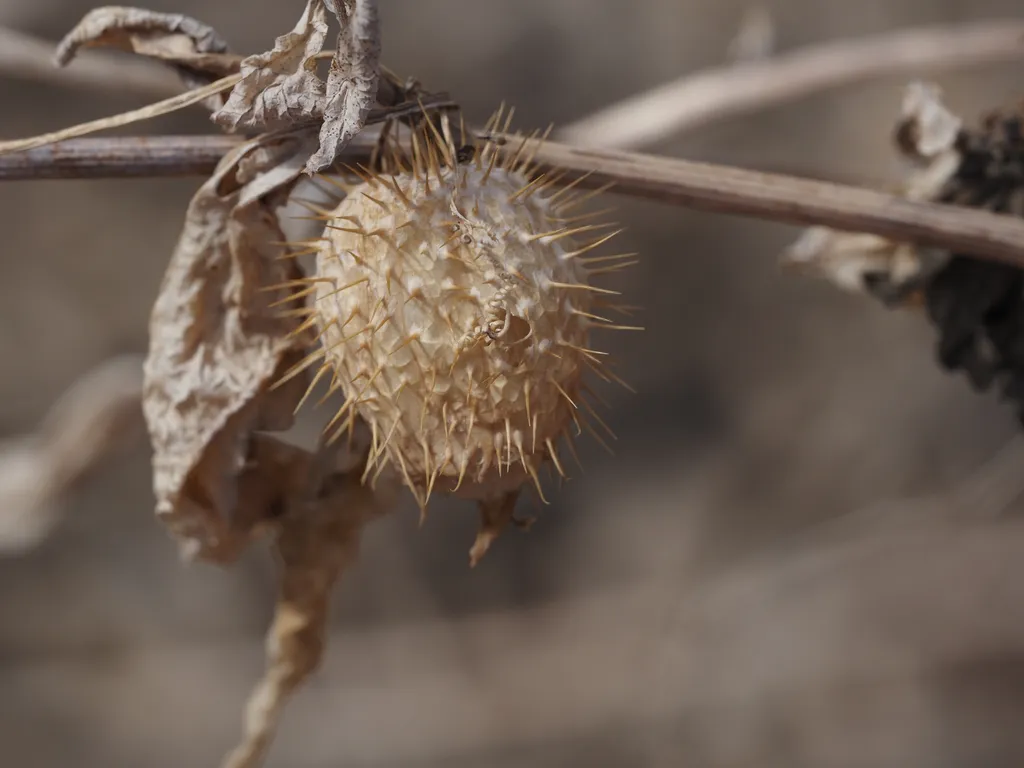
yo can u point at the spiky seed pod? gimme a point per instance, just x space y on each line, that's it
455 307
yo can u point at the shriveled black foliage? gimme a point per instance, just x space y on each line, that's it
978 306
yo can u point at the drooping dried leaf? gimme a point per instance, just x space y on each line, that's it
325 505
889 270
353 79
280 88
217 345
96 417
196 52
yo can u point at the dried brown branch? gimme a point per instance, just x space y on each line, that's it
143 156
30 58
697 99
790 200
701 186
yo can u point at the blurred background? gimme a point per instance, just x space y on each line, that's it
804 552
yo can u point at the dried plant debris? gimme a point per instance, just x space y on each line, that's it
977 306
282 88
196 52
98 416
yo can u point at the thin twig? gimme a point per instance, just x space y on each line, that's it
26 57
701 186
713 94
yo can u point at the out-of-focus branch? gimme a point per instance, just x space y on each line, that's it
986 494
96 416
733 89
701 186
30 58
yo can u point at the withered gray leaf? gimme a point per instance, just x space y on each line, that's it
217 345
352 81
196 52
280 88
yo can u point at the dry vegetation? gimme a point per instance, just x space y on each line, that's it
802 552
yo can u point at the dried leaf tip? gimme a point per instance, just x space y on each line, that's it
927 127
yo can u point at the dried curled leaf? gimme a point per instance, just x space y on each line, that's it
353 79
280 88
196 52
892 271
217 345
325 505
96 417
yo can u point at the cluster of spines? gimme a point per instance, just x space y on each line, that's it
430 152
